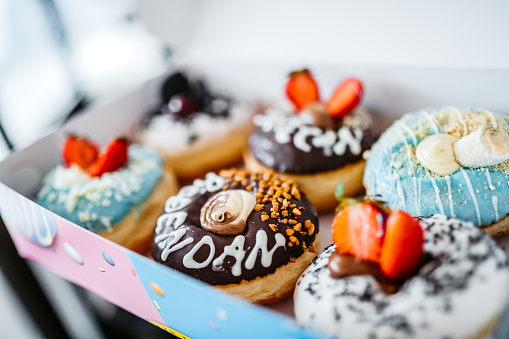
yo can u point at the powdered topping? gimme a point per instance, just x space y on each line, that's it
74 195
466 268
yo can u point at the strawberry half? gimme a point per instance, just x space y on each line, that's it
301 89
80 151
345 98
403 246
113 158
359 229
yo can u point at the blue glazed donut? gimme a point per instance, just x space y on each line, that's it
478 193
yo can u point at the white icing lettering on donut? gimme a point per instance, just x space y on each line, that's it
175 219
284 126
189 261
169 248
188 191
261 245
299 139
176 203
212 183
282 133
325 141
236 250
347 139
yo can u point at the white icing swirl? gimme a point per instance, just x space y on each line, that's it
436 154
226 212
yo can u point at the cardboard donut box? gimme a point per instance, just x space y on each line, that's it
175 302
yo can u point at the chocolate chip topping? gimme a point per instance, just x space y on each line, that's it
277 203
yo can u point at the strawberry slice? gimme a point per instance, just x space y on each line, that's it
80 151
403 246
345 98
358 230
302 89
113 158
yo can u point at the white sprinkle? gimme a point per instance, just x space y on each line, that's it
84 216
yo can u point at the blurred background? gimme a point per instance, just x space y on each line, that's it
58 57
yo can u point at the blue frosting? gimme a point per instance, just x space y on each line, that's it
100 203
393 173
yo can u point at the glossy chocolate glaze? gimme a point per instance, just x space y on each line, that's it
287 158
281 257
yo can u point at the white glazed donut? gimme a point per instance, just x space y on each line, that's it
459 293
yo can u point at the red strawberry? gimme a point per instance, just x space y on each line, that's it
358 230
403 246
113 158
348 95
302 89
79 151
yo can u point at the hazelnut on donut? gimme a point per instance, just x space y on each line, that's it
251 234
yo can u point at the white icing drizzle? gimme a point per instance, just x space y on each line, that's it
283 126
419 195
261 245
409 131
409 164
431 121
169 248
166 220
236 250
299 139
176 203
212 183
460 118
472 193
437 193
449 190
188 259
400 191
407 149
417 198
494 201
490 184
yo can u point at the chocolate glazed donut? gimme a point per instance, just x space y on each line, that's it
267 221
